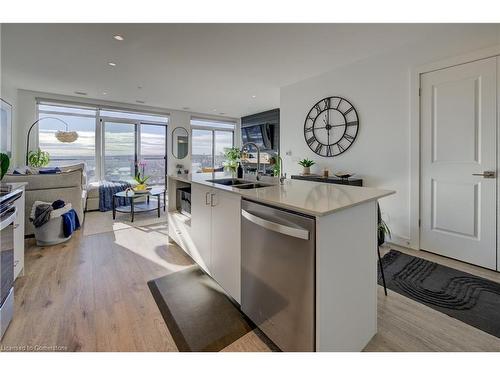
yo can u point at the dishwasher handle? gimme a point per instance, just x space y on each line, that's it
276 227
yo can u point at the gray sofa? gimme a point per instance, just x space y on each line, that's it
70 186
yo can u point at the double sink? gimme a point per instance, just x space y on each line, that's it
239 184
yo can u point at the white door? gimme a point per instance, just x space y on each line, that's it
201 226
226 242
458 145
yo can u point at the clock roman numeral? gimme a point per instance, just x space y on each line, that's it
310 141
349 110
318 149
328 150
309 129
349 137
338 104
326 103
309 117
341 149
318 108
352 123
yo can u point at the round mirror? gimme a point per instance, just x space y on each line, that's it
180 142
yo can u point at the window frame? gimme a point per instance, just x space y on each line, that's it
99 127
212 129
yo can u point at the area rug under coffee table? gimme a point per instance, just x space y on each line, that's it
471 299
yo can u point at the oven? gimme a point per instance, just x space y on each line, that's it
7 217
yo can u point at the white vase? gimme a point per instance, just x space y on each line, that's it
307 170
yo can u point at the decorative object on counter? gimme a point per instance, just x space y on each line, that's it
4 164
344 175
306 164
233 158
240 170
180 142
326 172
331 126
65 136
141 177
38 158
186 171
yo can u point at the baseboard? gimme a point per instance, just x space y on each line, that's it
399 241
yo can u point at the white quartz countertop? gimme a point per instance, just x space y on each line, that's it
312 198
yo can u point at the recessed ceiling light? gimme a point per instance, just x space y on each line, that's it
104 93
215 109
80 93
140 101
118 37
254 96
111 63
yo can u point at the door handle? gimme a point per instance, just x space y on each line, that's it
206 199
276 227
486 174
212 200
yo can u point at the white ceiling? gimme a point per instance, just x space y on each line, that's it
210 68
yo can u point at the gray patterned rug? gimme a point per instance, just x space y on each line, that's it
471 299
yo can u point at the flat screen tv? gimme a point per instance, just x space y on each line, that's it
258 134
5 128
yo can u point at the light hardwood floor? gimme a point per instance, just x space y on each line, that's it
90 294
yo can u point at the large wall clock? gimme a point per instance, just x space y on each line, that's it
331 126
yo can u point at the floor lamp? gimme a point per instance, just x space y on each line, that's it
64 136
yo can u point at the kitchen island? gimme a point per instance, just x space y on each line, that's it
341 294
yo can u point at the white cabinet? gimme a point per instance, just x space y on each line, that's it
226 242
19 236
216 233
201 219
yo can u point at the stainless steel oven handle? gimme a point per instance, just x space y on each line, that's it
275 227
8 220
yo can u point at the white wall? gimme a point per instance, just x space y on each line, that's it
379 88
25 114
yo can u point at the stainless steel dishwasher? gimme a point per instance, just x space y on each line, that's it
278 274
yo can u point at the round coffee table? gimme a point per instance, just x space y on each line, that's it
136 207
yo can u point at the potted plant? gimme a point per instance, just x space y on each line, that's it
4 164
38 158
306 164
233 157
141 177
383 230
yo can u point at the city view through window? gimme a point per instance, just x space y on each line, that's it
123 145
209 142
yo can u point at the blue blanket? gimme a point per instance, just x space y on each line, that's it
70 222
106 191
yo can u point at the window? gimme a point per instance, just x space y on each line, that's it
81 120
111 142
210 139
153 148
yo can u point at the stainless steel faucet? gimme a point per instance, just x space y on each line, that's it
282 176
258 157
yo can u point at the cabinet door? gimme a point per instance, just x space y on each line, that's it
201 221
226 242
19 237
